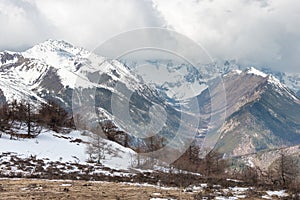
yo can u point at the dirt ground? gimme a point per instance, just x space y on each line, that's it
46 189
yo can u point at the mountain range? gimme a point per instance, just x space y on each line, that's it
261 109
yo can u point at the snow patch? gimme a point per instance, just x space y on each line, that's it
58 147
256 72
280 193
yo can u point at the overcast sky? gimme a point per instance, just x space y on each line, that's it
253 32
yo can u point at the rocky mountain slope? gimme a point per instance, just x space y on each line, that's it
291 80
96 88
259 112
262 114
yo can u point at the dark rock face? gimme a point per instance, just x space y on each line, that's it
51 81
6 57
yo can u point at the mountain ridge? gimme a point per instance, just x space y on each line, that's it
55 69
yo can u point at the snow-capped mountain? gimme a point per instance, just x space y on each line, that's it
245 88
56 65
177 80
262 113
253 100
291 80
19 75
86 83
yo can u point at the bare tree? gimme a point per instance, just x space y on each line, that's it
251 174
14 110
96 148
30 119
4 118
190 160
16 115
126 140
138 151
213 164
54 116
285 170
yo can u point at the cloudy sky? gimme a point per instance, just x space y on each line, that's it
264 33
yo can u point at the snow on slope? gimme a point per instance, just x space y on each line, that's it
57 53
280 87
60 55
49 65
13 88
178 81
74 63
255 71
292 80
58 147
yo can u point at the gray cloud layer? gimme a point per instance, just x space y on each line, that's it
254 32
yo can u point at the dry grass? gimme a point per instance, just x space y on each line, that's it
45 189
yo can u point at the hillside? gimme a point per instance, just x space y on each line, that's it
261 113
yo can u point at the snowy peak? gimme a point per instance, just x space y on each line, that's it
256 72
243 87
261 111
57 53
270 78
291 80
52 66
56 69
57 46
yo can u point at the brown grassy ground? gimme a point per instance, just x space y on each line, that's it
44 189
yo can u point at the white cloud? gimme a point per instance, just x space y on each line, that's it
258 32
21 23
84 23
87 23
261 32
